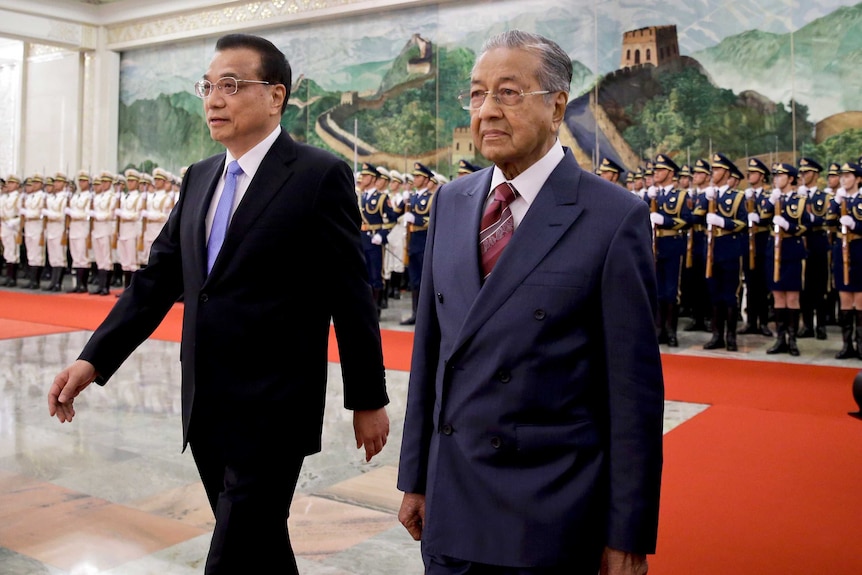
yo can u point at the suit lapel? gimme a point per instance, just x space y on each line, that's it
550 216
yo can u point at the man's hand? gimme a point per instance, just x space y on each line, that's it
371 428
615 562
412 514
66 387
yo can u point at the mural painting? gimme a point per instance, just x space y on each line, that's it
770 78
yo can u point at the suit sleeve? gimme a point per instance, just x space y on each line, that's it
635 386
354 313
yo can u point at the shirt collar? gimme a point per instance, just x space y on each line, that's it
530 181
251 160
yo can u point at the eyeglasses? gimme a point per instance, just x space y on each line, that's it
227 86
473 100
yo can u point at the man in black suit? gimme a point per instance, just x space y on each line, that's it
254 349
533 434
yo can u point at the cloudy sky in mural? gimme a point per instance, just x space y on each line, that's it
329 52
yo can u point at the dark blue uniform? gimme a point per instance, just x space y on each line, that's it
757 290
813 299
377 218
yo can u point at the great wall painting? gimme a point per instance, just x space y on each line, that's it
756 80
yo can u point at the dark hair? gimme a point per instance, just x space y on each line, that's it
274 67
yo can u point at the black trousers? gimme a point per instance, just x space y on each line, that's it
250 496
438 565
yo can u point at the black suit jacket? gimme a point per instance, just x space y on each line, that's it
255 330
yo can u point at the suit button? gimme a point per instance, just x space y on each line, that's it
446 429
439 297
504 376
204 298
539 314
496 442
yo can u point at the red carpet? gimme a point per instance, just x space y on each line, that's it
767 481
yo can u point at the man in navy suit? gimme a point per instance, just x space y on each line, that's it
254 349
532 439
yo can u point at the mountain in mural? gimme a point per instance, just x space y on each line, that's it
824 50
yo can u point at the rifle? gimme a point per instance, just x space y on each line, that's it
90 218
116 236
845 246
140 246
776 272
710 244
749 206
64 239
653 208
20 239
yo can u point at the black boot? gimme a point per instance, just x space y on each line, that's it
672 322
780 345
11 275
731 329
383 297
395 285
101 283
375 295
847 321
718 319
792 328
58 285
661 322
807 323
35 275
820 330
858 333
415 303
54 278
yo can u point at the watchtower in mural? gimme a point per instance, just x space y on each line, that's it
651 45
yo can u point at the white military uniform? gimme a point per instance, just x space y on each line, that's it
131 204
11 203
159 204
34 228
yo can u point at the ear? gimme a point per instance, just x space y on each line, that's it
560 101
279 94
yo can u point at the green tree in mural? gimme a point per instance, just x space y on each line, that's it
692 116
840 148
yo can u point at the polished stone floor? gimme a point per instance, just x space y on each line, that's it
112 494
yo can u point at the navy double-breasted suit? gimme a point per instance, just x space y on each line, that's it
534 411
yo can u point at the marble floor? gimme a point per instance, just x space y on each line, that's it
112 494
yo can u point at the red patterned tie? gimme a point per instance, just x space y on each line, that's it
497 226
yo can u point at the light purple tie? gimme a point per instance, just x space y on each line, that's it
222 214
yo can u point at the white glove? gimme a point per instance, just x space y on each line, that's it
409 217
656 218
848 221
652 192
840 194
829 190
117 212
749 193
802 191
715 220
91 213
753 218
405 195
774 196
67 211
44 213
781 222
710 193
377 239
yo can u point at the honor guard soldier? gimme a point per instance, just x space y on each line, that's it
695 270
104 230
639 187
649 181
374 209
11 203
630 182
610 170
158 206
34 228
813 299
726 225
129 210
754 262
417 210
56 230
80 223
393 258
670 214
465 167
833 183
845 214
786 255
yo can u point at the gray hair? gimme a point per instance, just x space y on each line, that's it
555 70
